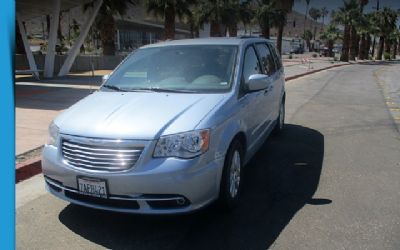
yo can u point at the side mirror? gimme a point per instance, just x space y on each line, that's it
104 78
258 82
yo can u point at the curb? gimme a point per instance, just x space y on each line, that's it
28 169
289 78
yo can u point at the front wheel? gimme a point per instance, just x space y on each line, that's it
231 177
280 122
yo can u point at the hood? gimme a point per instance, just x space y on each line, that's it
136 115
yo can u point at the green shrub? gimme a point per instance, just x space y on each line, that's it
335 58
386 56
290 56
314 55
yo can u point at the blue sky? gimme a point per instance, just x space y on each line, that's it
300 5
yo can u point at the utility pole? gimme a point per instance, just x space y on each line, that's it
374 41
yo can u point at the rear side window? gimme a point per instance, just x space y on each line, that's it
251 65
266 58
276 56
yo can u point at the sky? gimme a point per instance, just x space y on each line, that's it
300 5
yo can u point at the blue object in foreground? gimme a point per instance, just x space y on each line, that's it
7 142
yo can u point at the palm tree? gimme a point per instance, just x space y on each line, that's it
330 34
223 15
246 12
345 16
324 12
305 16
393 41
385 21
364 30
355 24
283 7
169 10
315 14
105 21
307 36
211 12
231 16
265 10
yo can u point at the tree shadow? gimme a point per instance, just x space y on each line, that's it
47 98
280 179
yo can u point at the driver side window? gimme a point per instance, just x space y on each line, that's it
251 65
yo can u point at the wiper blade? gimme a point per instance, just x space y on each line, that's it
114 88
156 89
150 89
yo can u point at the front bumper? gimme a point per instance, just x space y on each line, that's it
157 186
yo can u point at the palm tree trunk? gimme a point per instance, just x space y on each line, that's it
279 39
169 22
107 34
315 34
344 57
232 29
308 42
358 44
361 51
394 49
353 43
380 49
398 47
265 30
367 46
305 18
215 29
330 48
388 46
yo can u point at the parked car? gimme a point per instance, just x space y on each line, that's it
324 52
297 50
170 129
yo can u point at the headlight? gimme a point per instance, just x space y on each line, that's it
183 145
53 134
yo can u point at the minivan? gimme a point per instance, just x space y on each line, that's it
170 129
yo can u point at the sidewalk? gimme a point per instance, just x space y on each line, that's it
39 102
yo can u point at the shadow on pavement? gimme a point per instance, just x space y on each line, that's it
281 178
47 98
70 79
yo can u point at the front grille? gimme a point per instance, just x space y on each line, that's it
108 157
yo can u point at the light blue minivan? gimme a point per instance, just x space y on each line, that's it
170 129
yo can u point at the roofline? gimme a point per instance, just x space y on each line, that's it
234 41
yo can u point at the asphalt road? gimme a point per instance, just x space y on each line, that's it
330 181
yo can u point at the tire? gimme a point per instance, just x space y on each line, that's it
230 187
280 121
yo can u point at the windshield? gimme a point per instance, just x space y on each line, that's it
197 68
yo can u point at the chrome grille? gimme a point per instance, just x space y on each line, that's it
100 157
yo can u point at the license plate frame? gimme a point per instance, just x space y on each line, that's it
93 187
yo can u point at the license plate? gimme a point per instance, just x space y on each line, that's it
92 187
